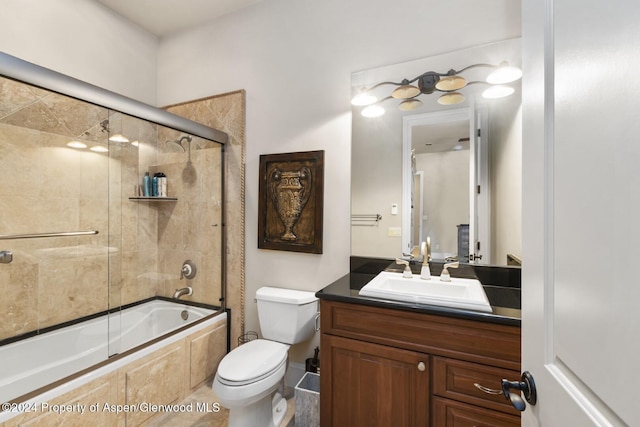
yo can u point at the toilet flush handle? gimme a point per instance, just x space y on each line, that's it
317 321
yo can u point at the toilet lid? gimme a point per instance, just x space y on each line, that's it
252 361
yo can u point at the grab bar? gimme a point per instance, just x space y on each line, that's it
55 234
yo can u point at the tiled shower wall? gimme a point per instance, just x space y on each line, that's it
227 112
140 247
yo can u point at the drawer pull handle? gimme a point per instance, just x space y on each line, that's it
487 389
421 367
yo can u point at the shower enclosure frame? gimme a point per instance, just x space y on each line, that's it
23 71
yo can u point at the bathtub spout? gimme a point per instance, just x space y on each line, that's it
184 291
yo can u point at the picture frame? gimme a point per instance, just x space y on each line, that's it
291 198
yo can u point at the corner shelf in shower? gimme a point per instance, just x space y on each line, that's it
154 199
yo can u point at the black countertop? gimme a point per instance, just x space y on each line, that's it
502 286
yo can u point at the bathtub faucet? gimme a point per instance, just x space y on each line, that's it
184 291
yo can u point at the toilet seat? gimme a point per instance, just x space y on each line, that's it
252 362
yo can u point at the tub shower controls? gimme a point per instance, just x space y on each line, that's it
188 270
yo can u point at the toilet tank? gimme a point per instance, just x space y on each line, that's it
286 315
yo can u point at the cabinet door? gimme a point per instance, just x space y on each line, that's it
365 384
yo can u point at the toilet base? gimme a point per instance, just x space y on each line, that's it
266 412
279 408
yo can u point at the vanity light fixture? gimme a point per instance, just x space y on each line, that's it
451 98
405 91
99 149
410 104
448 84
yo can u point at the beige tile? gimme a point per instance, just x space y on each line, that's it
205 351
206 412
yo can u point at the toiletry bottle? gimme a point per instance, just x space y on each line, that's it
154 185
146 185
162 185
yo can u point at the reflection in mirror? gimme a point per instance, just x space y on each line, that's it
439 188
385 172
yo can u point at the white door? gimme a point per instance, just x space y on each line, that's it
581 211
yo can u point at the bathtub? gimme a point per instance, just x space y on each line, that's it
35 362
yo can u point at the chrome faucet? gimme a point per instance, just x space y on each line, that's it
184 291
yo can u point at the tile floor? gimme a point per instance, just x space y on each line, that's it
205 398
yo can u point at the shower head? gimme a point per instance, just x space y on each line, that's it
177 146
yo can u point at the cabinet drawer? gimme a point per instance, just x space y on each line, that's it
481 342
449 413
455 379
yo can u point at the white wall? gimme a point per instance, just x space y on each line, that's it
295 59
506 179
446 198
82 39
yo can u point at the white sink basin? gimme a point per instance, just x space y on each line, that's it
458 293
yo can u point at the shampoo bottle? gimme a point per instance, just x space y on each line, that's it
162 185
154 186
146 185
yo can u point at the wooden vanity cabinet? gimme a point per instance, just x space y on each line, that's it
383 367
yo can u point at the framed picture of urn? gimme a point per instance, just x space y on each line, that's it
291 201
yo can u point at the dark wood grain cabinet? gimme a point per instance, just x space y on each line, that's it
383 367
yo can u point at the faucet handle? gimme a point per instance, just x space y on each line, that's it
452 265
407 269
444 275
188 270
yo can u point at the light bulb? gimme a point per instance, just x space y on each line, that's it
118 138
499 91
76 144
363 98
373 110
504 74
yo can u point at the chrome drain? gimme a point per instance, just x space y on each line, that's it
184 314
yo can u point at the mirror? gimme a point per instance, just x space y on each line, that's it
416 174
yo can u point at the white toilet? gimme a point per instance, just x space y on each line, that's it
248 377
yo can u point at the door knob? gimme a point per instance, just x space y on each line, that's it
421 367
528 388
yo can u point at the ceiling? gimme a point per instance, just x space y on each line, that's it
440 137
164 17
